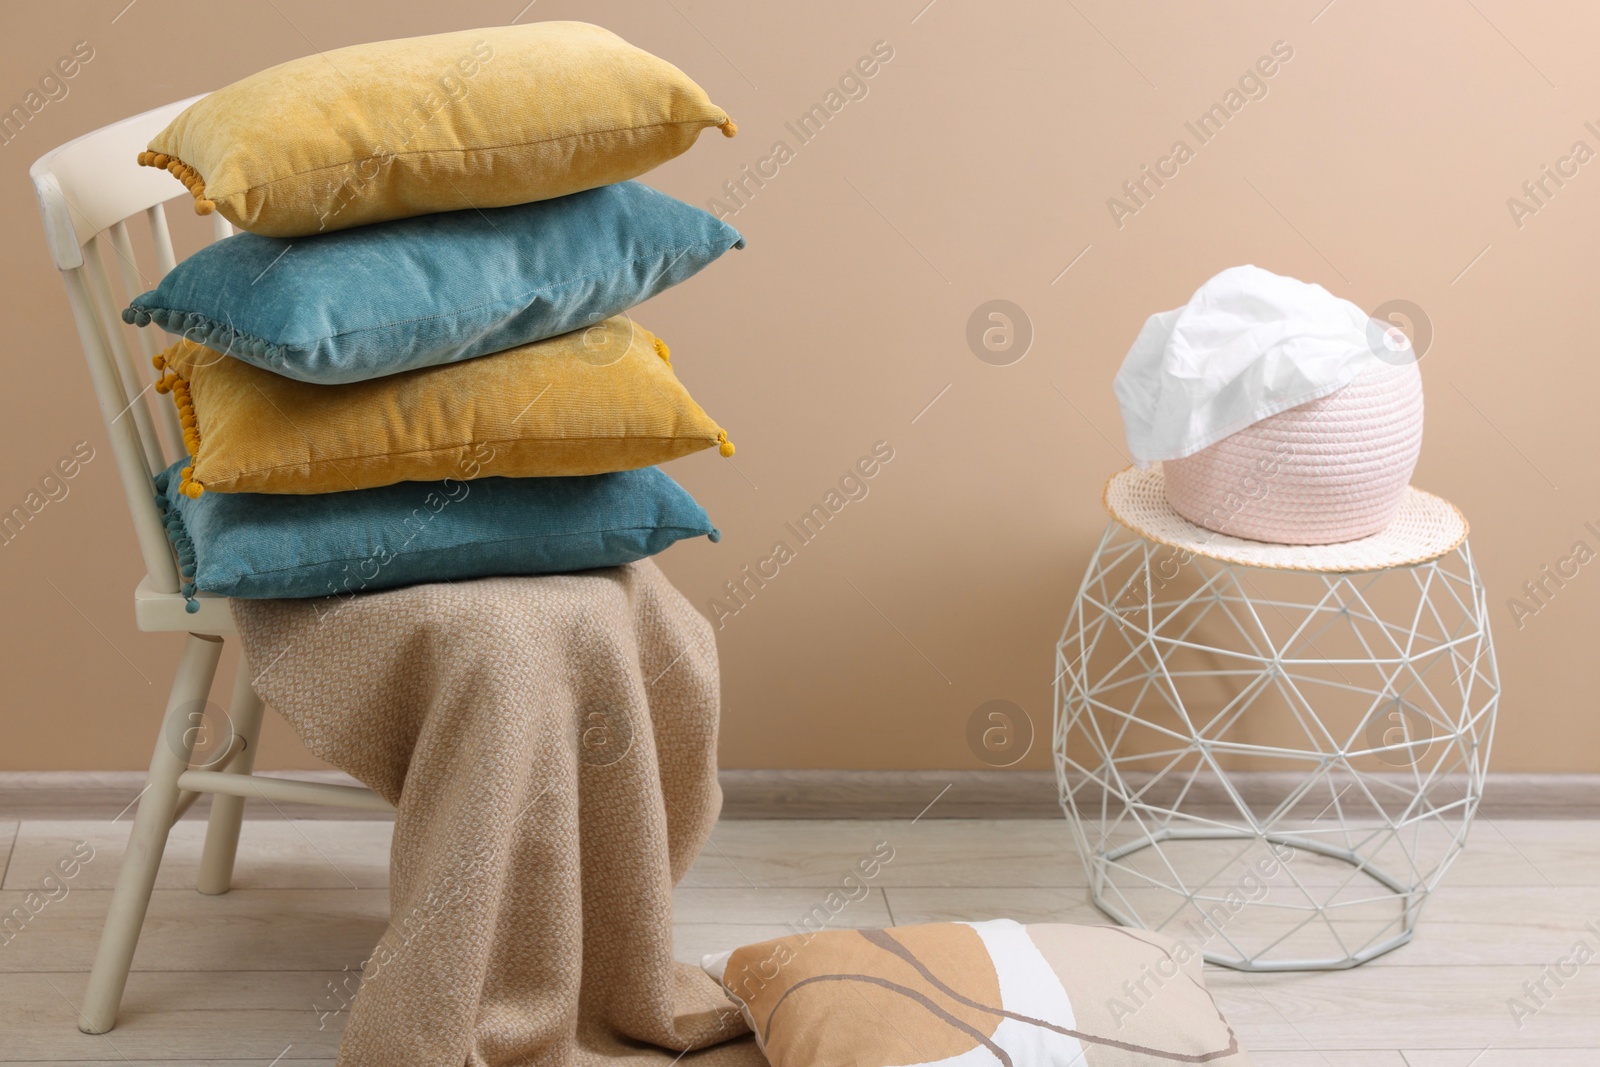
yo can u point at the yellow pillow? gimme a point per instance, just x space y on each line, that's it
480 118
586 402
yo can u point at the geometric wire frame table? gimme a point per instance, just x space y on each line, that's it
1273 752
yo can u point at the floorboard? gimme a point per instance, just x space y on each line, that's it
233 979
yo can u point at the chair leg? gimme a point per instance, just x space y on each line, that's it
227 812
174 747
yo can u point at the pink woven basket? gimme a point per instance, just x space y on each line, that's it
1331 470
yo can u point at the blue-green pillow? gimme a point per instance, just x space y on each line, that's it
418 292
255 545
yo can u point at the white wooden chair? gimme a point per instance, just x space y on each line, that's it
89 191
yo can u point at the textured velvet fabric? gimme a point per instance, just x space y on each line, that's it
587 402
474 119
255 546
418 292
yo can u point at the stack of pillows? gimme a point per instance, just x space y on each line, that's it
416 363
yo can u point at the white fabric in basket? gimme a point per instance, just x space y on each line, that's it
1247 345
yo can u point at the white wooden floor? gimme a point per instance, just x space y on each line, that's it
242 978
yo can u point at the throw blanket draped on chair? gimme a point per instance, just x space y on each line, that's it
550 747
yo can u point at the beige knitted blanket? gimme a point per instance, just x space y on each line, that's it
550 747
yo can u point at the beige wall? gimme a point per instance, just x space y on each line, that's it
977 167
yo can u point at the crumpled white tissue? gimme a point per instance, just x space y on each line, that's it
1248 344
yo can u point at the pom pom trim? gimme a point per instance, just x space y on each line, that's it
186 174
195 327
182 543
176 384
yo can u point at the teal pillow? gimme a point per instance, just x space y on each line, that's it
418 292
255 546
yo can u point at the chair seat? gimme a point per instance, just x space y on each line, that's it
158 612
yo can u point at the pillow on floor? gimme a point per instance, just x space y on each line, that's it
588 402
1101 996
253 546
474 119
434 289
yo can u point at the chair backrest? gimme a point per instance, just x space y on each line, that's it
89 190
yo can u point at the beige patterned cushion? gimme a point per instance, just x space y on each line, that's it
993 992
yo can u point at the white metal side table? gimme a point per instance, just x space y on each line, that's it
1273 752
